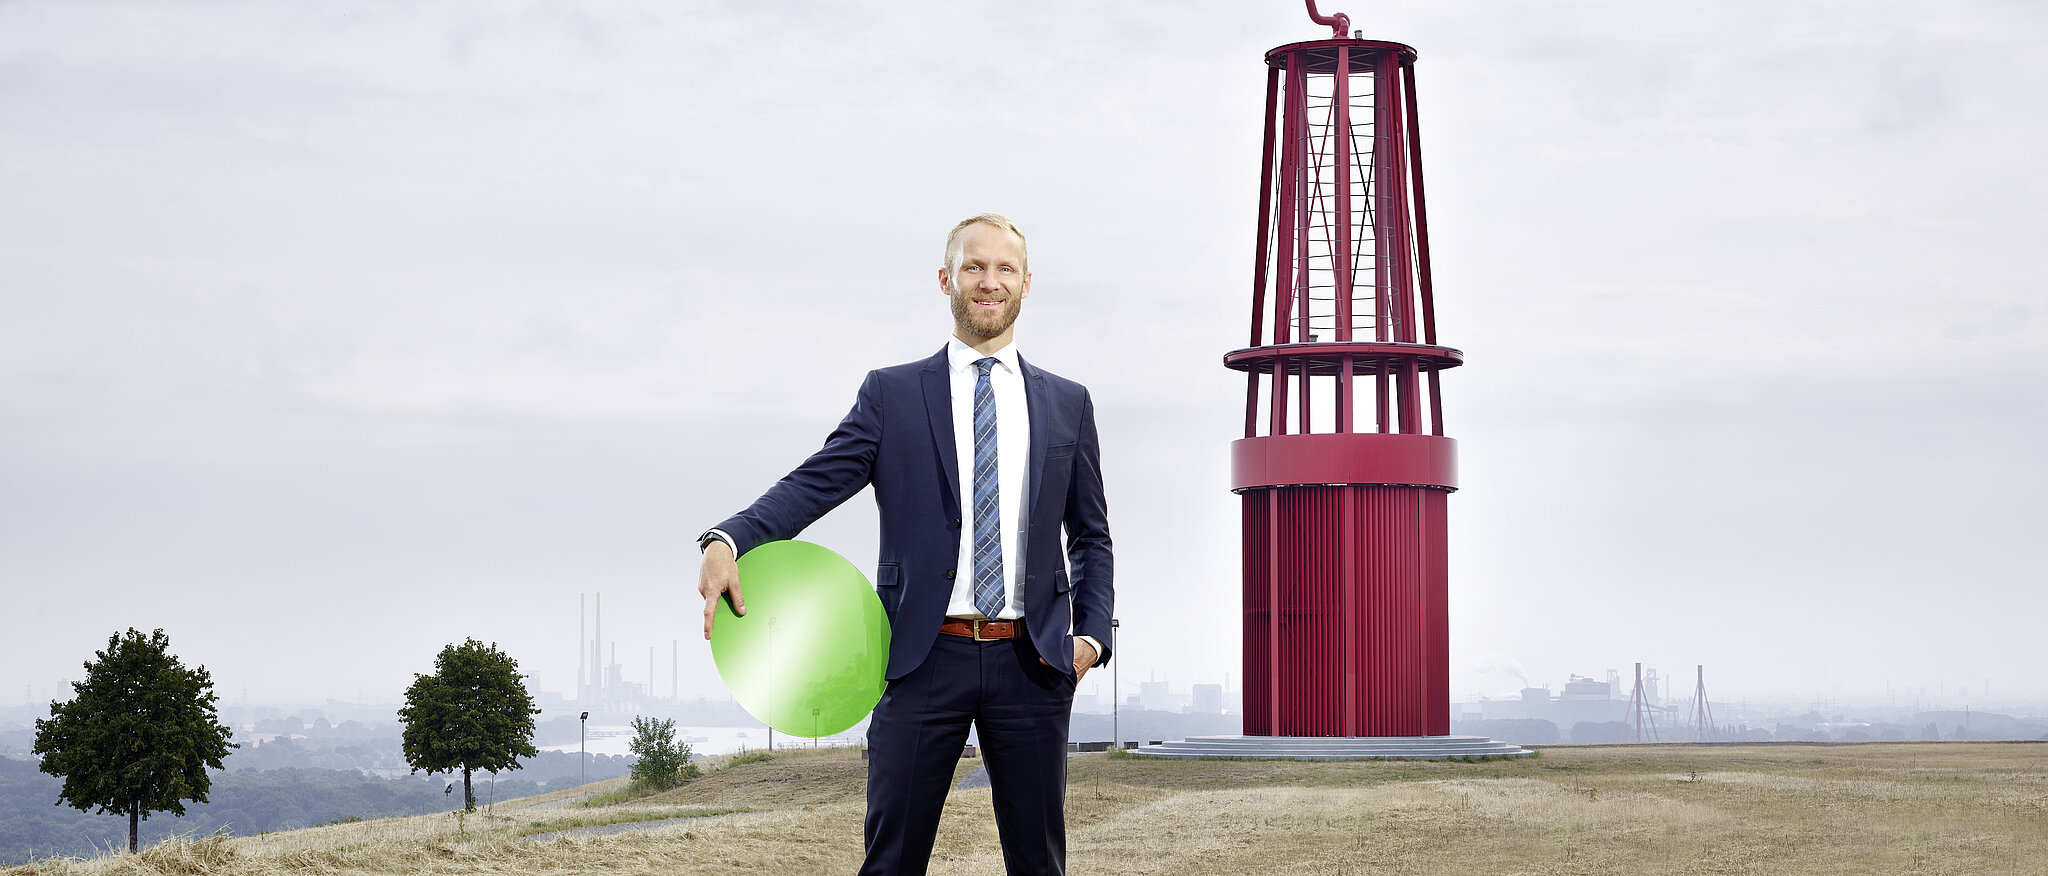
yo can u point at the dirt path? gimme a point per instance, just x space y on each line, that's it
621 827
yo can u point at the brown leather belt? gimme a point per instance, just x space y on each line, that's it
983 630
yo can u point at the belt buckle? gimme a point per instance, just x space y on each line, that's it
975 627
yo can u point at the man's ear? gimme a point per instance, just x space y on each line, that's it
946 286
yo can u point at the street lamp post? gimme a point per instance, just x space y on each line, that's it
1116 699
582 744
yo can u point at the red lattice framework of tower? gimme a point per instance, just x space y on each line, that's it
1344 467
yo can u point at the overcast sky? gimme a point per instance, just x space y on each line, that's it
334 332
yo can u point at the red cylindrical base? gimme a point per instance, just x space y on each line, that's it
1346 628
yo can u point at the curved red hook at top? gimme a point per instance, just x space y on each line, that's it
1339 23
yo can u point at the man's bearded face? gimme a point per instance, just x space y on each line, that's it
989 287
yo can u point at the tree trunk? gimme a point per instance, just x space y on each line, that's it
468 795
134 824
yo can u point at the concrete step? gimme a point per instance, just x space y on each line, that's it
1332 747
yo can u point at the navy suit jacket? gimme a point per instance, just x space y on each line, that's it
899 437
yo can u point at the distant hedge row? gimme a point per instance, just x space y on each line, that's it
33 825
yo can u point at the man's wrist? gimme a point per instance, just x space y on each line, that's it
1093 645
716 535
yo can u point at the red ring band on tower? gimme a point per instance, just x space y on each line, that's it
1325 359
1344 458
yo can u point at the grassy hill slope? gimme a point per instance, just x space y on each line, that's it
1804 809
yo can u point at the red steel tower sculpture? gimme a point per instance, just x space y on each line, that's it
1344 466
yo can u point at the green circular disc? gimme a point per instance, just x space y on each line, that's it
808 657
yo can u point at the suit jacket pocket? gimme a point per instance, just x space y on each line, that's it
1057 451
889 586
1060 584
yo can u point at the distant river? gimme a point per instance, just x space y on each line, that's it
706 741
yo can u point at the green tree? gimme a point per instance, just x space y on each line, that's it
140 734
664 762
472 714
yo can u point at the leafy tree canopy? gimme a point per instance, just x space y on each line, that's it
472 714
139 735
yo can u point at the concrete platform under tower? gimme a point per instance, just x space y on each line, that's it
1332 748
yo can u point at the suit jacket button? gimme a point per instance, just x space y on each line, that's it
949 574
956 522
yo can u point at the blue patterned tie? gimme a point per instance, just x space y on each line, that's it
988 514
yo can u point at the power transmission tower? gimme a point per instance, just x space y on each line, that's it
1641 723
1702 718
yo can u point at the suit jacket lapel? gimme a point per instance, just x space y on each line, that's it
1035 403
938 407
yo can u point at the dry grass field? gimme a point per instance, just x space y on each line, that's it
1932 808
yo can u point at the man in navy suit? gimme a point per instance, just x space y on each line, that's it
995 566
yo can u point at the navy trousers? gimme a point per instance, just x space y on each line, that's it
1019 708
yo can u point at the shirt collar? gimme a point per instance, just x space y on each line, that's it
962 357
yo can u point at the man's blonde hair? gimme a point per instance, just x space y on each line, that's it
954 246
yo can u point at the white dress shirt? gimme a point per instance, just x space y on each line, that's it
1013 452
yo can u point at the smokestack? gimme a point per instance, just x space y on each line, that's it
582 628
